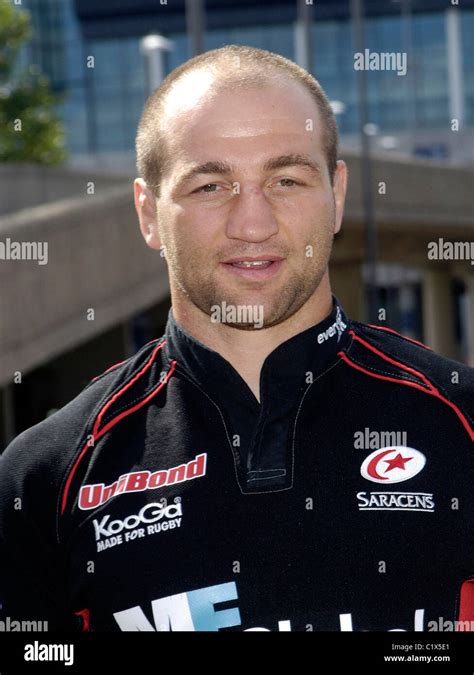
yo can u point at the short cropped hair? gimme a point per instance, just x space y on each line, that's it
233 66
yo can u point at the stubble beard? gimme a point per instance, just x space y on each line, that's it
206 292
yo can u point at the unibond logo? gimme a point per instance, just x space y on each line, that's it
92 496
150 513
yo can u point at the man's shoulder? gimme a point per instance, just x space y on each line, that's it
412 351
395 352
57 434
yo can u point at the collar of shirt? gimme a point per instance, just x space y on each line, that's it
286 371
264 454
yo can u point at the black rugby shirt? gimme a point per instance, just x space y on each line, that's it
166 497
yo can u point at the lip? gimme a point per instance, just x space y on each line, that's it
248 258
254 274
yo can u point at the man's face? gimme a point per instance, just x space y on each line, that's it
259 234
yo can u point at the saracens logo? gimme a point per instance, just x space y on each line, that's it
392 465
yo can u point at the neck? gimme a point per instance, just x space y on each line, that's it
246 350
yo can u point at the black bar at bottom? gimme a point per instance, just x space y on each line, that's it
397 652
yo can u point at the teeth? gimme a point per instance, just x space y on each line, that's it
252 263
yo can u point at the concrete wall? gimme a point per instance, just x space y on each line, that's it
418 194
97 260
459 145
26 185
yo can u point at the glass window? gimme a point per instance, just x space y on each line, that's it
118 81
467 31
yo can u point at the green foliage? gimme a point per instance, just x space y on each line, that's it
30 127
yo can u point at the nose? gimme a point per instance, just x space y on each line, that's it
250 217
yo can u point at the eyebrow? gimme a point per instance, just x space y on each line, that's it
224 168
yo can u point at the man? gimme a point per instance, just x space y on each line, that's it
268 464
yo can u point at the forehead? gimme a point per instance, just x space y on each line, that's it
280 116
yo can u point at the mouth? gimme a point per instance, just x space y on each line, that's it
262 268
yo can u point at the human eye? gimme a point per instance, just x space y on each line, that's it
203 189
289 180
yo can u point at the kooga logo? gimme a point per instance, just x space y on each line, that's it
92 496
